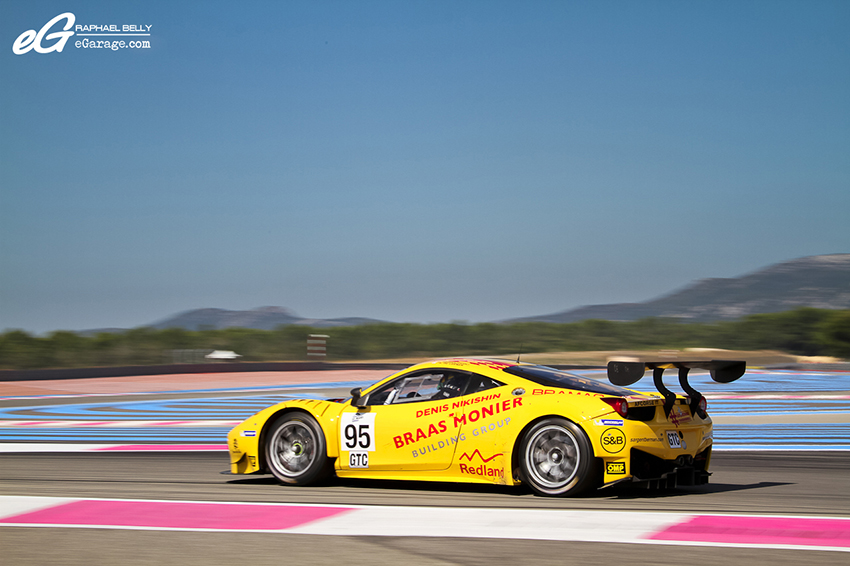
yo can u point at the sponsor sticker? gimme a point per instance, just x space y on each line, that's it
484 363
358 459
249 433
679 416
640 440
612 422
482 470
673 439
613 440
615 468
565 392
357 432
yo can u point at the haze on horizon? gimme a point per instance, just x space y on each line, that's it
415 162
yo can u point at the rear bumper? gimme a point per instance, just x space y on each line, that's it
658 473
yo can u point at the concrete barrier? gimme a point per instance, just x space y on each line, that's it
170 369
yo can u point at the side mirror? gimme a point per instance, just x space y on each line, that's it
356 397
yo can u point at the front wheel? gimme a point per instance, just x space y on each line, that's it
295 449
556 458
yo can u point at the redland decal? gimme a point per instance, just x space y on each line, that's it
476 451
482 470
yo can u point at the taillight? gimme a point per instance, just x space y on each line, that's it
621 406
703 405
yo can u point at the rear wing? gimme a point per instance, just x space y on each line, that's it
722 371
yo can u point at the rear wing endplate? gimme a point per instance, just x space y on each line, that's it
722 371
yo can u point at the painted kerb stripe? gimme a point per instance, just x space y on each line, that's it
752 531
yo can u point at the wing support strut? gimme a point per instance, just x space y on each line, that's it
722 371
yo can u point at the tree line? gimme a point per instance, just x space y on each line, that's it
805 331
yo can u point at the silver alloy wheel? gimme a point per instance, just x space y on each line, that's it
293 448
552 456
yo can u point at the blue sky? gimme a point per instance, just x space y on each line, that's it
414 161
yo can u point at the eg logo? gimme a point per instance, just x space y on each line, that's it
31 40
613 440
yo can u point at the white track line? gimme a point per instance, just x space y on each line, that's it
635 527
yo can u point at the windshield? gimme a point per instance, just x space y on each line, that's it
551 377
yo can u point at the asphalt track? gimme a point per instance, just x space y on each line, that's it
805 484
767 483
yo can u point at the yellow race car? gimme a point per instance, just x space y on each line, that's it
492 421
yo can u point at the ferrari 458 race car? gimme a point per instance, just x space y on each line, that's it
492 421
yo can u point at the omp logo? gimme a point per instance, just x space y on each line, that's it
30 40
615 468
474 452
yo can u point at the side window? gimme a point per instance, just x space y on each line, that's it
451 385
486 383
429 386
384 395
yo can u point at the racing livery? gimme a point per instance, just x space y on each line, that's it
492 421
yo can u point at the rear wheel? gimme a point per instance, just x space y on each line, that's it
556 458
295 449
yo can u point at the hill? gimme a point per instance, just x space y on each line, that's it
817 281
821 282
263 318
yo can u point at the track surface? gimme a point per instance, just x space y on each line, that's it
765 410
811 411
809 484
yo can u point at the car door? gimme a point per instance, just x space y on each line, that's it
407 424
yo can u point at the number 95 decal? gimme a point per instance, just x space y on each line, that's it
357 433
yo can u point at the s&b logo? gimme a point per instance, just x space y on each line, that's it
31 40
613 440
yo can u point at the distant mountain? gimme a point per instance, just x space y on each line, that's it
821 281
818 281
263 318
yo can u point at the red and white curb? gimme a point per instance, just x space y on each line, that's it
750 531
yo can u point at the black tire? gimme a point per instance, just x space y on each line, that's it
295 449
556 458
